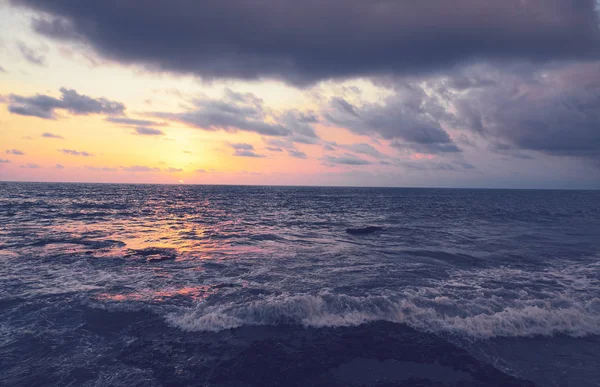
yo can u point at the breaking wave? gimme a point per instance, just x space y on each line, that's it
534 318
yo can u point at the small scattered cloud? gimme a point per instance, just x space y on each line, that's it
245 150
44 106
4 161
329 145
346 159
52 135
140 168
3 70
30 166
31 55
72 152
201 170
100 169
15 152
173 170
134 122
60 166
145 131
297 154
366 149
187 152
274 149
234 112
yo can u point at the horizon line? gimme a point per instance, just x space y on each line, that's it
302 186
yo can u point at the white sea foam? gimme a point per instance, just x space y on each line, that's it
517 320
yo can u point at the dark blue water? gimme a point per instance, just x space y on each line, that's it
94 278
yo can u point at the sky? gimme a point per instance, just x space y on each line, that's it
429 93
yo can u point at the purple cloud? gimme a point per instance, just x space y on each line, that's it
51 135
149 131
44 106
72 152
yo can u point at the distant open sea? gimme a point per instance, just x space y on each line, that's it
168 285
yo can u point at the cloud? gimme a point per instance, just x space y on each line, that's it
366 149
306 41
242 146
134 122
297 154
245 150
173 170
4 161
51 135
346 159
140 168
72 152
59 166
31 55
2 70
149 131
201 170
100 169
552 110
15 152
409 116
301 126
44 106
235 111
30 166
274 149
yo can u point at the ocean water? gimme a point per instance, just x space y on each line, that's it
152 285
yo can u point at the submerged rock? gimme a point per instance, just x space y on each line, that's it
364 230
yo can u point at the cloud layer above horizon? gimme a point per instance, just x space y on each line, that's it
385 92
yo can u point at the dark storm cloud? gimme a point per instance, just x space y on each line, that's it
409 116
31 55
554 110
72 152
306 41
52 135
235 111
142 130
135 122
44 106
15 152
347 159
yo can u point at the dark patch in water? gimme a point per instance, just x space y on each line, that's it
383 353
364 230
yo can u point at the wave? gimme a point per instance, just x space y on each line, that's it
327 310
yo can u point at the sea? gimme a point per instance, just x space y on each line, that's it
193 285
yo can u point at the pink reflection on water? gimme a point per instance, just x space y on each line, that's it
194 293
